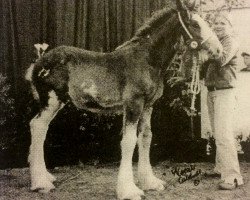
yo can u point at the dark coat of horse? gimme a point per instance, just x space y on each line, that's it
128 81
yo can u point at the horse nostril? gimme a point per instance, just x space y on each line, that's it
218 51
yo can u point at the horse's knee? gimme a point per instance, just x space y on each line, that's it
145 131
145 137
128 141
129 138
147 134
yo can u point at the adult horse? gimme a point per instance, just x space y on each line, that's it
127 81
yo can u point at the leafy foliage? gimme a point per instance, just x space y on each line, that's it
6 103
7 113
228 4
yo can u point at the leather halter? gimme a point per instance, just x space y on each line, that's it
193 44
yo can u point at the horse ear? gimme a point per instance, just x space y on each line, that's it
191 5
180 6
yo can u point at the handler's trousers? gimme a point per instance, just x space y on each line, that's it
221 107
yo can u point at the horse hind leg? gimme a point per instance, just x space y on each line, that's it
41 179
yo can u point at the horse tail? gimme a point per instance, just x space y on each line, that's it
29 77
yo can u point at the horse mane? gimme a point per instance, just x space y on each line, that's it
153 23
159 18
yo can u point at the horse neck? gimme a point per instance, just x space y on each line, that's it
162 45
158 37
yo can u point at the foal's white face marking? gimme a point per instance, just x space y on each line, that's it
211 46
204 30
89 88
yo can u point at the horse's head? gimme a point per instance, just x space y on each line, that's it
197 34
195 29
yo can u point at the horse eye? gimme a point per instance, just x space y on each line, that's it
196 26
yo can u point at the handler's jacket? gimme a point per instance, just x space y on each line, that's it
221 73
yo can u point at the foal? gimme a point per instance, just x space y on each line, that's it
127 81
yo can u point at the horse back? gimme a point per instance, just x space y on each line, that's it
99 80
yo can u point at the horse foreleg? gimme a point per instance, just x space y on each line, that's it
146 177
41 179
126 188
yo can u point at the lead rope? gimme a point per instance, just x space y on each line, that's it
195 83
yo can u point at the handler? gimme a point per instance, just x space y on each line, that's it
220 79
246 58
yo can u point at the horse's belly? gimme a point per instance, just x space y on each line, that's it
89 96
94 87
95 107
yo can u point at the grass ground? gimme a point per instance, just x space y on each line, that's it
98 182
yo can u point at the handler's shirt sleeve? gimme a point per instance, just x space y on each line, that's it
230 49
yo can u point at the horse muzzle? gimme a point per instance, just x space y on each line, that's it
214 48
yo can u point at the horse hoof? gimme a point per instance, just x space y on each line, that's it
50 177
45 190
153 183
43 187
131 192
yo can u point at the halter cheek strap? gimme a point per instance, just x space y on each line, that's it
194 44
184 26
